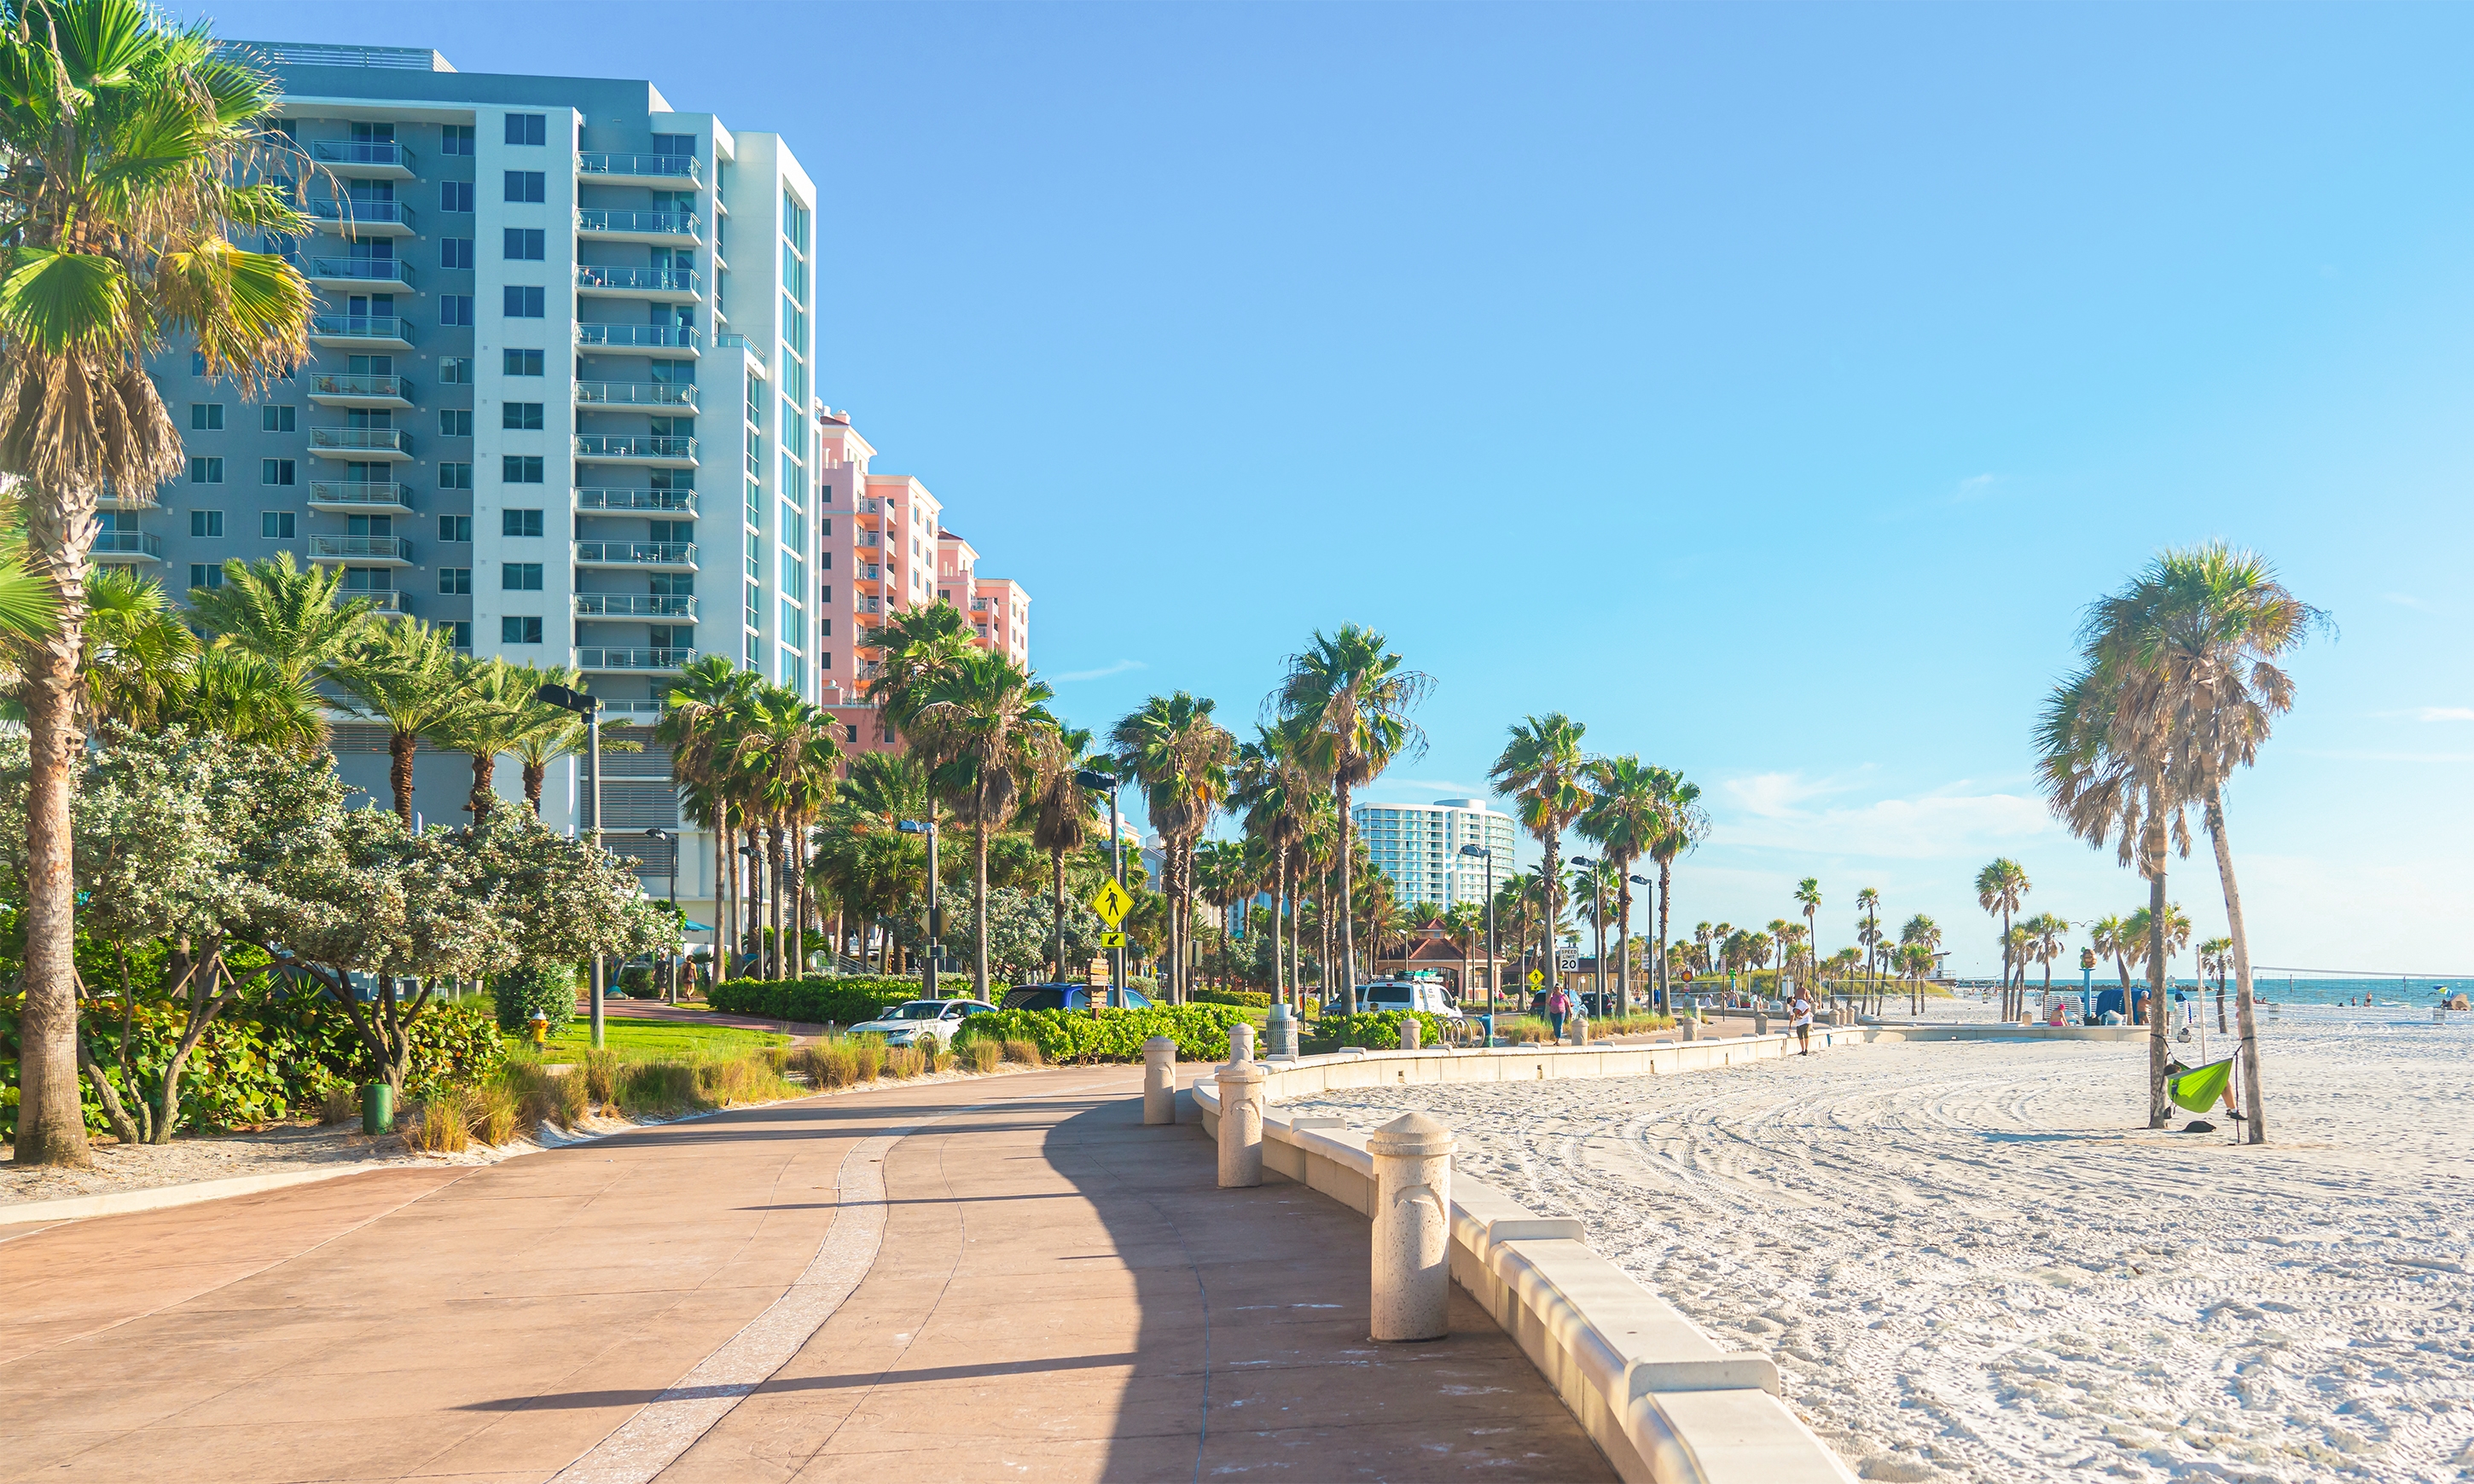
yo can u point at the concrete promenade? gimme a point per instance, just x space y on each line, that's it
1004 1278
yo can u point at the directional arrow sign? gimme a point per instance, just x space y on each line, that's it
1112 940
1112 904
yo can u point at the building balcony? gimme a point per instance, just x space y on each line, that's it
360 273
127 547
361 444
360 497
868 541
866 606
362 218
657 452
368 159
382 600
655 227
113 499
361 331
653 556
362 550
979 605
870 572
633 659
360 391
666 396
635 605
664 172
678 341
669 285
628 502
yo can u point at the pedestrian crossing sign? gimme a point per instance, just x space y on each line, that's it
1535 977
1111 903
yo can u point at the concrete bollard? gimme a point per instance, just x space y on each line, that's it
1241 1124
1413 1034
1580 1030
1280 1036
1760 1023
1690 1027
1412 1228
1240 1043
1159 1080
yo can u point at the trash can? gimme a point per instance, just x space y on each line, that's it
377 1109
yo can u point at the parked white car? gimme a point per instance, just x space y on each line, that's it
925 1023
1405 994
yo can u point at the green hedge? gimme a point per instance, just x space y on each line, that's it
1251 999
1200 1031
1376 1030
835 999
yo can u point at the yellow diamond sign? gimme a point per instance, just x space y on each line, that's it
1112 940
1112 904
1535 977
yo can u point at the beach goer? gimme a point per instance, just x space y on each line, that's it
1801 1013
1557 1005
2173 1067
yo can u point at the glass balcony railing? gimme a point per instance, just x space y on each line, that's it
633 659
667 167
365 212
635 553
371 387
381 548
634 446
631 501
359 152
635 393
681 337
635 605
383 600
635 223
363 270
359 326
128 543
637 280
388 440
356 491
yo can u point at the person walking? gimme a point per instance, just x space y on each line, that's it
1557 1005
1800 1009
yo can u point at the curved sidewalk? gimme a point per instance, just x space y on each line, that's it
1024 1284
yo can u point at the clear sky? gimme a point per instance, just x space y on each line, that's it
1769 387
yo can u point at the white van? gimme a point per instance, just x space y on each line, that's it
1405 994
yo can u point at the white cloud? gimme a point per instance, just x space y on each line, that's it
1776 795
1103 673
1443 786
1950 821
2443 713
1974 486
2407 600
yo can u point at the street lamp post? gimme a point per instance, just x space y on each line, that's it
1494 967
935 908
1086 778
1598 924
584 703
1645 957
671 893
755 896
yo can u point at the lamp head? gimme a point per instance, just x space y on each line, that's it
1476 849
1088 778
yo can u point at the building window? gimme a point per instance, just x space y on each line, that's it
205 574
519 522
455 252
520 576
276 419
519 630
528 186
525 415
456 309
206 522
455 476
455 196
206 471
274 471
520 470
455 580
523 303
455 528
456 139
275 525
455 370
206 416
455 421
525 244
523 363
462 630
528 128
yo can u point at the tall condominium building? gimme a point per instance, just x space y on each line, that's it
1419 846
561 397
886 547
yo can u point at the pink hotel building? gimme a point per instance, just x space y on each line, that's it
886 548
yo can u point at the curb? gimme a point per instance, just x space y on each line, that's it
75 1208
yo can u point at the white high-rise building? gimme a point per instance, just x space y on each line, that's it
1419 846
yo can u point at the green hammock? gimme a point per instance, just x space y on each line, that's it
2199 1088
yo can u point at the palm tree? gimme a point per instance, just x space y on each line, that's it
2192 645
917 644
2046 932
2217 958
1181 757
1273 787
500 713
406 675
1543 769
2111 938
1869 934
1629 814
1065 813
1999 887
980 722
1809 893
1348 699
1921 934
702 709
129 148
298 619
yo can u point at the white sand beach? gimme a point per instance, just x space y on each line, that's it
1971 1262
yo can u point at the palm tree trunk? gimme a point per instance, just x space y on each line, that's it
2254 1108
774 863
535 774
2160 1108
485 766
1279 900
1056 899
1623 940
720 903
50 1123
1347 904
1666 900
400 748
980 907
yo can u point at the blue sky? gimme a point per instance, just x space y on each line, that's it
1767 387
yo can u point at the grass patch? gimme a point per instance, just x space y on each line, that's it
651 1040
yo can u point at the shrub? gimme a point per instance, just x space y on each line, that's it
636 982
726 1082
521 993
1377 1030
601 1071
659 1088
867 1056
543 1098
981 1056
443 1124
1026 1052
830 1064
492 1112
905 1060
1200 1031
1251 999
828 1000
342 1104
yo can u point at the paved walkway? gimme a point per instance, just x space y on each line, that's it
990 1279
